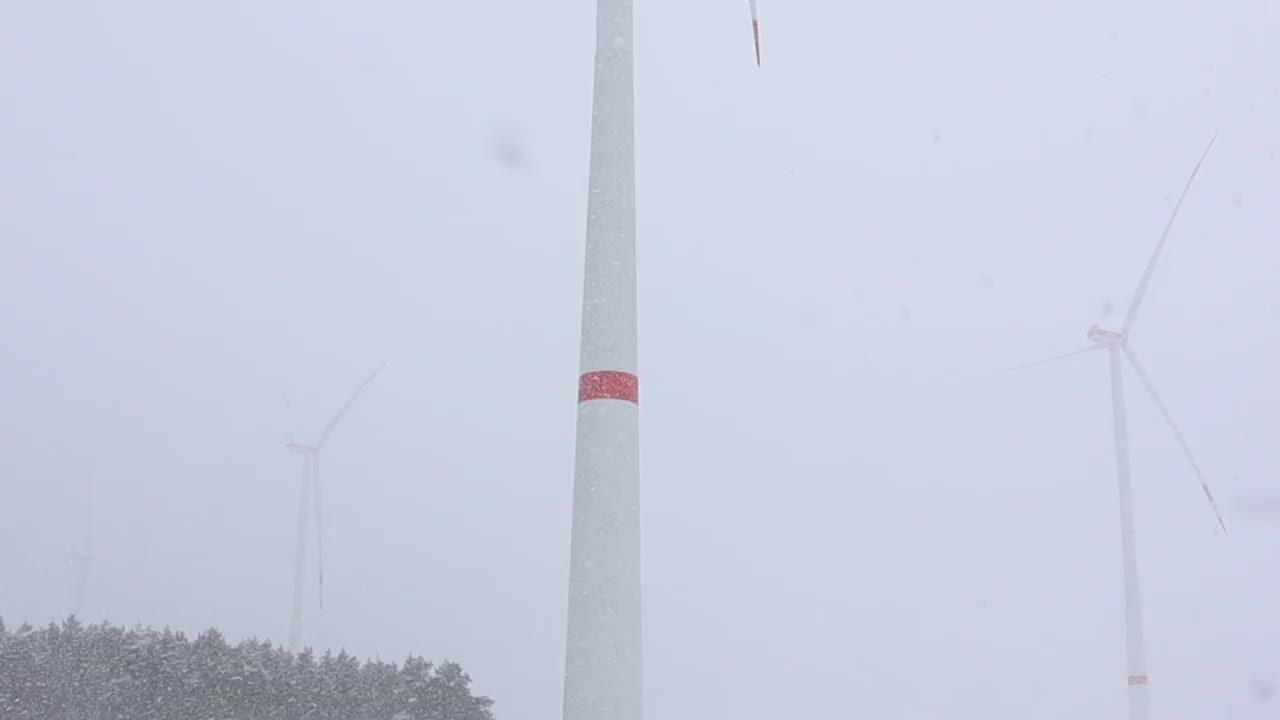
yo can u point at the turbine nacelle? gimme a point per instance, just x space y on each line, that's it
1106 338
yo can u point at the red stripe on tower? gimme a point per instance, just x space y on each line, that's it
1138 680
609 385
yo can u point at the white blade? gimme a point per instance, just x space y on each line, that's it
1056 358
324 436
293 419
319 513
1155 256
755 29
1177 433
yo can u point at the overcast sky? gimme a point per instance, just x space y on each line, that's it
207 207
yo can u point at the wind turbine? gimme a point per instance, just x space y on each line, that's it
1119 347
81 560
309 493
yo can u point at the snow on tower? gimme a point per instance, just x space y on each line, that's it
602 656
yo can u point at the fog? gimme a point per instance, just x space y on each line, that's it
207 209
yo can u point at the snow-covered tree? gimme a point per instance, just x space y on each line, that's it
103 672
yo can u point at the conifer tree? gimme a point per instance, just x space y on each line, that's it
104 672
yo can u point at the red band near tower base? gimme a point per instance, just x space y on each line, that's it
1138 680
609 385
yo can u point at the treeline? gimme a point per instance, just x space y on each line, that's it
104 672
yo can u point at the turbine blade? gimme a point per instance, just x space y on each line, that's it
318 505
324 436
755 29
293 418
1056 358
1177 433
1141 291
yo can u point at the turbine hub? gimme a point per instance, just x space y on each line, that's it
1102 336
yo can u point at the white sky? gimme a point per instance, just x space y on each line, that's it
205 207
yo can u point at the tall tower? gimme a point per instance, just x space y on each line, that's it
602 658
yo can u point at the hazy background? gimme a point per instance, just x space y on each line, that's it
206 207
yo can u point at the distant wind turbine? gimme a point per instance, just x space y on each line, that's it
309 494
81 559
1118 346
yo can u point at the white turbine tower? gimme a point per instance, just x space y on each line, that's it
81 564
1119 346
309 493
80 560
602 654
